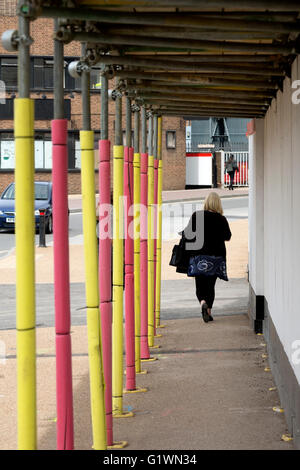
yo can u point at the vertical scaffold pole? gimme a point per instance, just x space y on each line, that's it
64 396
104 234
137 239
132 317
145 354
118 265
129 256
150 236
25 233
105 265
155 199
91 268
159 226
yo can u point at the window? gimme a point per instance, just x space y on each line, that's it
43 151
7 151
124 138
9 72
43 73
94 80
171 139
41 192
48 73
77 151
41 76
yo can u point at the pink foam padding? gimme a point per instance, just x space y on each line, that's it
105 280
64 425
59 131
106 328
145 354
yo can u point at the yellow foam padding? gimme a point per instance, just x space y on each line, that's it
137 390
92 290
26 393
158 246
25 275
150 251
118 445
129 414
117 291
151 359
277 409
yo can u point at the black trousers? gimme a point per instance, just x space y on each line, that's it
231 176
205 288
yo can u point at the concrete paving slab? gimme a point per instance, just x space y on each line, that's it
208 390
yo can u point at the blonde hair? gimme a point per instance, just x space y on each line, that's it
213 203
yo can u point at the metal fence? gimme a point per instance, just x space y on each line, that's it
241 176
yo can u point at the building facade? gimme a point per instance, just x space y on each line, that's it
173 143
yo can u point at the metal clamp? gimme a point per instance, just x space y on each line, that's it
116 94
63 34
76 68
29 9
10 40
135 107
149 113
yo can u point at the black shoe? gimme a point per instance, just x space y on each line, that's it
205 315
210 318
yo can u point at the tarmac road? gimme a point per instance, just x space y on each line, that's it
173 293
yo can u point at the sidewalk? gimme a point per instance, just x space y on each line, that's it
198 194
207 390
75 200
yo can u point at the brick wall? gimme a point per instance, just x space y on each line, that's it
8 7
42 32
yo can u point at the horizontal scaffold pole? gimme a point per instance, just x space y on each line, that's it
195 79
184 44
243 5
197 68
194 20
170 89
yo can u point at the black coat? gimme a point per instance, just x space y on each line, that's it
205 234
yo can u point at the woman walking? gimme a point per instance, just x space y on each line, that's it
231 167
205 237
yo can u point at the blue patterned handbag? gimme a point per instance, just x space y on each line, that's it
208 266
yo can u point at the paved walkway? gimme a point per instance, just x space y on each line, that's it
208 389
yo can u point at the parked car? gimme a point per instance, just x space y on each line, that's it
42 200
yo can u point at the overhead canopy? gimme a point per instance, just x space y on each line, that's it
220 58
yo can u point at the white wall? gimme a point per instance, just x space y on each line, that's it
199 170
256 208
282 215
